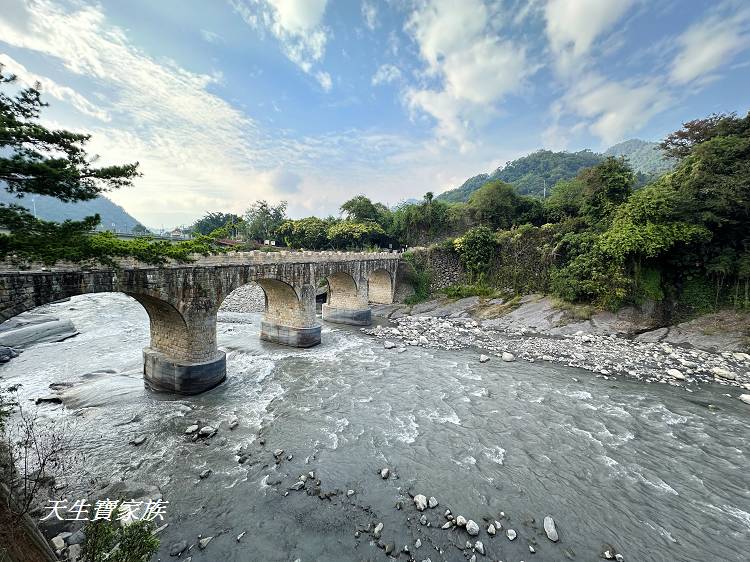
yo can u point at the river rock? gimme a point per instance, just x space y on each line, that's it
388 344
51 331
461 521
74 552
491 530
378 531
511 534
479 547
421 502
76 538
723 373
423 519
205 474
206 431
447 525
507 356
472 528
58 543
675 374
178 548
550 529
385 473
432 502
7 353
233 423
140 440
418 543
745 398
191 429
483 358
203 543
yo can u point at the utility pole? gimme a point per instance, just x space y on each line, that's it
544 180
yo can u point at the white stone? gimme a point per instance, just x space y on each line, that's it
723 373
550 529
483 358
745 398
207 430
388 344
447 525
432 502
378 530
479 547
507 356
491 530
58 542
472 528
203 543
421 502
384 473
511 534
461 521
418 543
675 374
191 429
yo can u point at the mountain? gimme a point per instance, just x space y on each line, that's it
530 174
644 157
51 209
542 169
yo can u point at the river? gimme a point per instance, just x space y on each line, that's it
650 469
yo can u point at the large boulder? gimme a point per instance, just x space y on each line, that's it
33 333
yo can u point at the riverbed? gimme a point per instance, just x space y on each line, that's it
654 471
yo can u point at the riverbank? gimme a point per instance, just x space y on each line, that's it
534 329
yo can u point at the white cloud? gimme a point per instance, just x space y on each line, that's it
370 14
574 25
297 24
608 109
211 37
711 43
52 88
476 67
324 79
386 74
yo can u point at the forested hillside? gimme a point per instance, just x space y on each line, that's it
539 171
52 209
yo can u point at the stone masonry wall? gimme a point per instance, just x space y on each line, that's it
444 265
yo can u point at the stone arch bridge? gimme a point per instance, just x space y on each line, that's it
182 301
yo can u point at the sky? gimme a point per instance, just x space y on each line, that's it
225 102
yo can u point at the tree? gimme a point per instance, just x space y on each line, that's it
310 233
139 229
354 235
680 144
214 220
263 219
476 248
495 204
360 209
606 186
565 200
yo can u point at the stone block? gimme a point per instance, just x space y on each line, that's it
163 374
355 317
289 335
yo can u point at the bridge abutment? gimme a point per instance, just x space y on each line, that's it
352 316
165 374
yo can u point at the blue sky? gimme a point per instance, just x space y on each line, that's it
314 101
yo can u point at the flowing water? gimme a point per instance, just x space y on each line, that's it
650 469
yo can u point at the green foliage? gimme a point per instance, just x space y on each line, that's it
262 220
131 543
354 235
310 233
476 248
419 277
606 186
529 174
139 229
33 240
565 200
645 158
360 209
212 221
648 285
588 274
479 289
38 160
697 296
418 224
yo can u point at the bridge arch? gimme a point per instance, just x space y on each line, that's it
290 314
380 287
347 300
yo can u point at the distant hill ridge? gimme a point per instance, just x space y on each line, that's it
51 209
541 170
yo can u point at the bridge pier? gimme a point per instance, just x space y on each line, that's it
165 374
290 314
347 300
